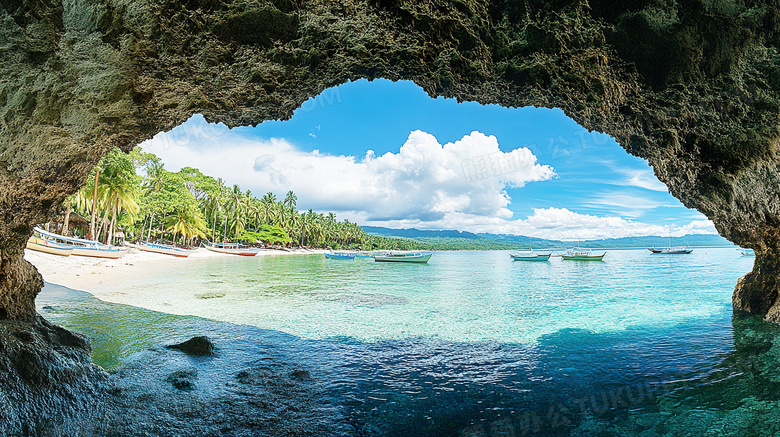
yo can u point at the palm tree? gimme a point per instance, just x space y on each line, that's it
187 223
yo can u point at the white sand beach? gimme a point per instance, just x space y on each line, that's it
88 274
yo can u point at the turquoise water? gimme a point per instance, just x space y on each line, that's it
473 344
458 296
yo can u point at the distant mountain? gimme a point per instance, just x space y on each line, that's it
451 239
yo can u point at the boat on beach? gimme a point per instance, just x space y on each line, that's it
530 255
404 257
232 248
341 255
165 249
582 255
81 246
46 246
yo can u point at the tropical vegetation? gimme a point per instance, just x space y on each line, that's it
133 196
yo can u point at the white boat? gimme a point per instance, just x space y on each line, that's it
341 255
747 252
403 257
232 248
530 255
39 244
83 247
582 255
165 249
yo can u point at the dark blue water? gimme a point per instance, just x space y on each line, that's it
636 346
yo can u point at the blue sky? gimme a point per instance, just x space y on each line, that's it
384 153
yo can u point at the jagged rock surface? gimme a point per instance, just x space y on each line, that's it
690 85
47 378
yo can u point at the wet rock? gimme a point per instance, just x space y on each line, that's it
47 377
183 379
197 346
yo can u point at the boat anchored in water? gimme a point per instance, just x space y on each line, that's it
582 255
232 248
747 252
403 257
81 246
341 255
530 255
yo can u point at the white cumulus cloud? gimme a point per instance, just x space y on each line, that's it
425 180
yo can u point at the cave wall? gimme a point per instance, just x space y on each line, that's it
690 85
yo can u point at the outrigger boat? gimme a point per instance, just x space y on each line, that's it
83 247
232 248
582 255
404 257
165 249
341 255
530 255
46 246
671 250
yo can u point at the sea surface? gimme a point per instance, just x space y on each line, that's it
474 344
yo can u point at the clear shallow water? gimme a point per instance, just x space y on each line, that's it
474 344
458 296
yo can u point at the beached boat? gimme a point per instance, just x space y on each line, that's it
530 255
671 250
747 252
403 257
165 249
232 248
83 247
341 255
582 255
46 246
365 255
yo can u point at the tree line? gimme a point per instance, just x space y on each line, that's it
134 194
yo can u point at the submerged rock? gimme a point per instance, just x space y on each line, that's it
198 346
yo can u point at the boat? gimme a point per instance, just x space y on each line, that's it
232 248
341 255
747 252
165 249
530 255
46 246
83 247
582 255
403 257
671 250
364 255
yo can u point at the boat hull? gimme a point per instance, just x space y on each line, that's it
339 257
98 253
422 259
583 257
530 258
40 245
241 252
181 253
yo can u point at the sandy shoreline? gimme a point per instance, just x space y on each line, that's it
87 274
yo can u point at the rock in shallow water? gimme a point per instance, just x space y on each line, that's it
198 346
